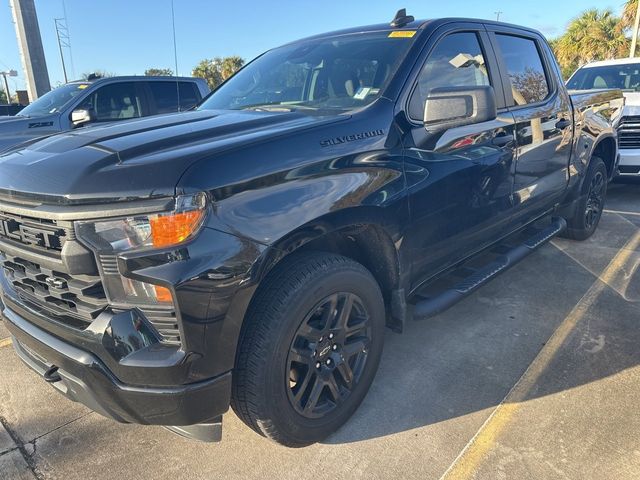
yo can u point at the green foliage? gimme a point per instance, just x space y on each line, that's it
217 70
594 35
3 97
158 72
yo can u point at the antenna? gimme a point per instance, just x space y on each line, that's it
401 18
175 52
498 13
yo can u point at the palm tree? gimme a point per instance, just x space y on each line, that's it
629 13
594 35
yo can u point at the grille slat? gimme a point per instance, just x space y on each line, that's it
629 132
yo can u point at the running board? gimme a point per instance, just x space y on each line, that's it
431 306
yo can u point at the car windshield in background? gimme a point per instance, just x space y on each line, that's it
54 101
336 73
625 77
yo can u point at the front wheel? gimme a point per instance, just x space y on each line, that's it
310 348
589 210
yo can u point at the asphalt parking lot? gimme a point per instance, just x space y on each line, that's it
536 375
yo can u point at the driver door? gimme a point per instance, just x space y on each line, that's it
460 178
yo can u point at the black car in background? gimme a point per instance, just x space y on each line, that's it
100 100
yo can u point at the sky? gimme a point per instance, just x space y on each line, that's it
126 37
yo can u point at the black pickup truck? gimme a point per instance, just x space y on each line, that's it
250 253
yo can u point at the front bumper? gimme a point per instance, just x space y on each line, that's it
629 162
82 377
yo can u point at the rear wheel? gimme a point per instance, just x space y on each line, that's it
589 210
310 348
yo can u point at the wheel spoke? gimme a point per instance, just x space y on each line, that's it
345 372
304 386
344 311
354 348
300 356
334 389
329 313
314 395
309 333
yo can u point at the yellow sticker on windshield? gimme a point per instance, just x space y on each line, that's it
82 86
402 34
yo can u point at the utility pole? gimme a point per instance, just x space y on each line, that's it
634 34
62 32
498 13
31 51
8 73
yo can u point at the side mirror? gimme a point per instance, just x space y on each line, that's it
448 107
82 116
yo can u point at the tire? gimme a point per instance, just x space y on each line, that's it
290 382
591 203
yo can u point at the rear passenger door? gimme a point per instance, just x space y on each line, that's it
172 96
543 116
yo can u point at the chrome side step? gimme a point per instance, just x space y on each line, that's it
431 306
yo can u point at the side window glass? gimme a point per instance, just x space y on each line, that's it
189 96
456 61
165 95
118 101
524 68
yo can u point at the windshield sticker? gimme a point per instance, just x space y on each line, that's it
83 86
362 93
402 34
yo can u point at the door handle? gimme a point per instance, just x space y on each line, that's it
562 124
502 140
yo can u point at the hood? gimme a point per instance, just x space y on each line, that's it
135 159
631 103
16 129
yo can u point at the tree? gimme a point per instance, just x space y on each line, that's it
98 74
594 35
3 97
158 72
217 70
629 13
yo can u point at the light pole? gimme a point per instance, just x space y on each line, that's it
5 74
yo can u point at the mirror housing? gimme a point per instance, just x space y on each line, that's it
82 116
448 107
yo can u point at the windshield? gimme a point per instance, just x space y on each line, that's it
625 77
54 101
335 73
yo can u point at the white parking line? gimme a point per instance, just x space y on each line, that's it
622 213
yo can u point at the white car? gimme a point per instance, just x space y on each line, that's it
622 73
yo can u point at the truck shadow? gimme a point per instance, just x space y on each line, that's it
466 360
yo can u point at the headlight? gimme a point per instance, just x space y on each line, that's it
108 238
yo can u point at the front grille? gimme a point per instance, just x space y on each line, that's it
76 300
165 322
35 235
629 132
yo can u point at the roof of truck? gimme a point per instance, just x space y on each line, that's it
617 61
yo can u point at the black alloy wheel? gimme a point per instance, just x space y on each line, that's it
328 355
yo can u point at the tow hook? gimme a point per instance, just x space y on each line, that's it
52 375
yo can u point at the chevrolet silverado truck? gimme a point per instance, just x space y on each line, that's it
251 252
623 74
99 100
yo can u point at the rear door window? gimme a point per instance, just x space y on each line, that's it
525 69
166 94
